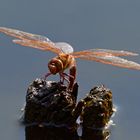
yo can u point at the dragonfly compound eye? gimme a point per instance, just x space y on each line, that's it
55 65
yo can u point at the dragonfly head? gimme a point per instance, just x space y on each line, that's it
55 65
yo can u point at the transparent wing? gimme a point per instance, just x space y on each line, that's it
31 40
64 47
23 35
38 45
108 57
103 52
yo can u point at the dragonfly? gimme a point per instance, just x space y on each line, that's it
66 57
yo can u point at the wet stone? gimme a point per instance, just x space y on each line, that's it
96 108
50 103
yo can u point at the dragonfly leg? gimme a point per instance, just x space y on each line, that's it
63 77
68 75
72 76
47 75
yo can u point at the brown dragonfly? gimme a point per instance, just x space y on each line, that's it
66 56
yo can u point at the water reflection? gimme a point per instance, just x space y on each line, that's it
54 133
45 133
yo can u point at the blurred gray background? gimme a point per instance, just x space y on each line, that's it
85 24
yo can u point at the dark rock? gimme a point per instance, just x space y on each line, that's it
97 108
50 103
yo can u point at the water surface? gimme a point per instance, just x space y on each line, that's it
84 24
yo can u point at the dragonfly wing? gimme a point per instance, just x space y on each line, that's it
64 47
116 52
103 52
38 45
31 40
113 60
23 35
